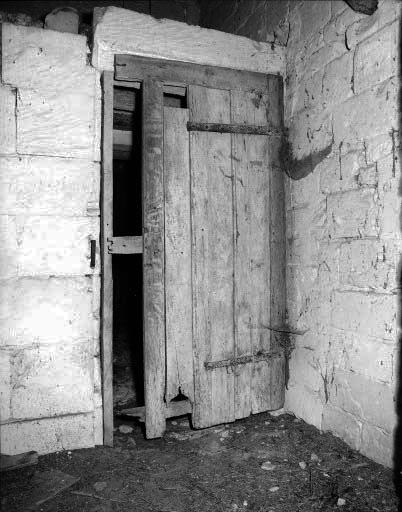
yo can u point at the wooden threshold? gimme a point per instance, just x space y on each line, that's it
171 410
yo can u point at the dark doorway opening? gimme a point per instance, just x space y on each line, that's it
128 366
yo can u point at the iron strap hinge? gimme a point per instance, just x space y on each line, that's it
235 361
246 129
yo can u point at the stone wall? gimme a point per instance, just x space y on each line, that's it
50 392
344 237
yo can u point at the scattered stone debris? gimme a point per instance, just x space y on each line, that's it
100 486
267 466
255 471
63 19
279 412
125 429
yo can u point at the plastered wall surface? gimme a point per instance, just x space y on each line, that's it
343 232
50 392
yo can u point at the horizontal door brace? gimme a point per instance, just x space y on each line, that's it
248 129
235 361
124 245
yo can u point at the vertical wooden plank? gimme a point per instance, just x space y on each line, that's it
212 257
153 258
277 241
179 341
107 279
252 253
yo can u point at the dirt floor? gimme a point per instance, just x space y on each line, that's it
262 464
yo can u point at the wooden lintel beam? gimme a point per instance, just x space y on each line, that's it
232 128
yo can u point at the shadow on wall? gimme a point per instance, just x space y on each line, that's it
398 388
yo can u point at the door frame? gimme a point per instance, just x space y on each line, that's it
154 75
119 31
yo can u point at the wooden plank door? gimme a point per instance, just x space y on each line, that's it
212 256
238 363
213 260
178 296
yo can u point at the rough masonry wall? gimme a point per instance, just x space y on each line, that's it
343 227
50 393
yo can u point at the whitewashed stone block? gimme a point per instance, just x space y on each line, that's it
304 405
48 186
303 191
310 132
353 214
44 59
98 118
367 400
369 264
373 314
47 245
377 445
52 380
347 171
46 310
380 146
366 115
342 424
48 435
303 369
56 124
376 58
5 385
8 139
337 80
373 358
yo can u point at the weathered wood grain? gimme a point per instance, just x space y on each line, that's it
125 245
153 258
212 257
252 257
107 279
179 342
277 244
125 99
129 67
